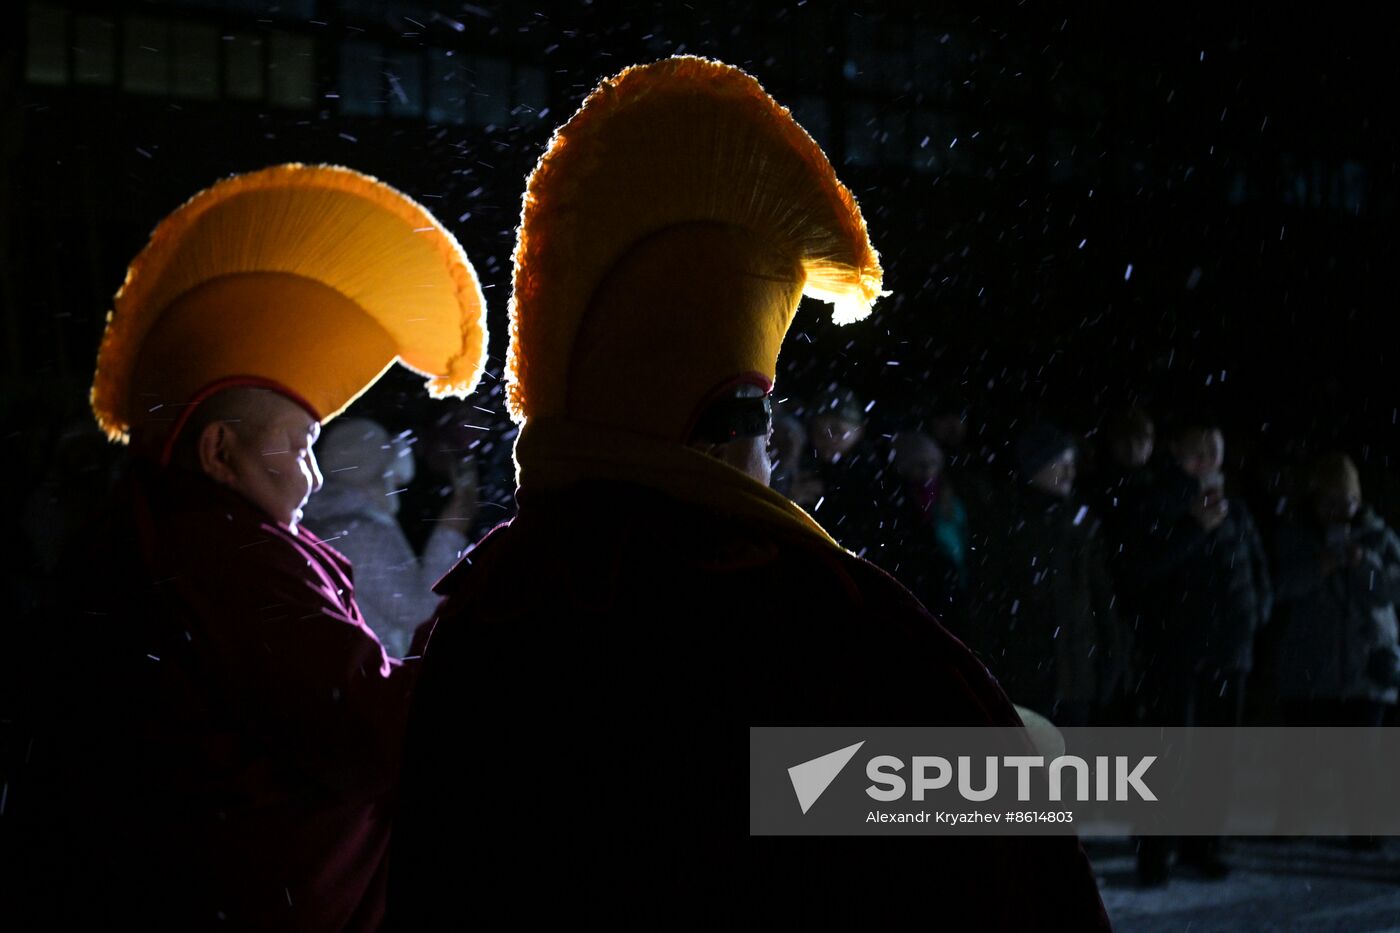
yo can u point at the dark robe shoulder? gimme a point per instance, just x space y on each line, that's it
222 731
578 735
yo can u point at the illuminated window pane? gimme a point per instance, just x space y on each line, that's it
1062 153
491 99
862 66
531 91
808 61
291 73
447 89
404 73
47 61
1353 186
364 9
243 67
894 138
146 56
94 51
260 7
930 55
361 79
896 69
196 61
926 150
780 53
862 132
407 16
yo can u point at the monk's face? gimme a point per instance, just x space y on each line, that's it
274 467
748 455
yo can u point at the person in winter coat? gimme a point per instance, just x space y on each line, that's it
1117 486
846 472
1046 624
1199 577
223 733
1114 492
1339 573
581 715
1195 555
923 541
356 512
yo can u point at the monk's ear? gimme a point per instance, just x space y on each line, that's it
215 449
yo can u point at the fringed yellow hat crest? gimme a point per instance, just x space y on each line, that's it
666 238
311 279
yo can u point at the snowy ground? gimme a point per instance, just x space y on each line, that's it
1277 884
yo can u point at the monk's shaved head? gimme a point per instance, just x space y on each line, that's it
249 411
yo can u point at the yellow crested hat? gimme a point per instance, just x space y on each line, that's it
309 279
666 238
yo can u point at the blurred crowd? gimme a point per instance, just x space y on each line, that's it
1138 574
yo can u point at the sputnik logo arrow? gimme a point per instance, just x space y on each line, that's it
811 778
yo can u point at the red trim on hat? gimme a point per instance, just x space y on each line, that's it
728 385
217 386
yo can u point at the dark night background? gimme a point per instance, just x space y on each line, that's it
1077 209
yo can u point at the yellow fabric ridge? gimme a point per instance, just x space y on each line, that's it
291 330
648 353
387 258
681 141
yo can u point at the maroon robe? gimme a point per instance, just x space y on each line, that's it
579 732
228 729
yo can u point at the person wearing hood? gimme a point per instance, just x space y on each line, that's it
1337 660
1339 580
1193 552
224 729
356 511
590 678
1199 576
1046 623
